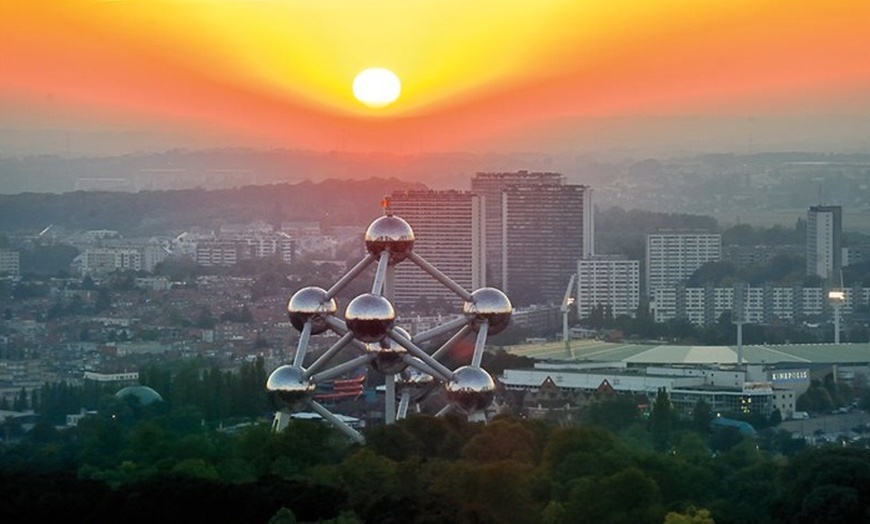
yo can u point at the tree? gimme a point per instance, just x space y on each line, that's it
633 497
661 420
205 319
614 414
701 416
283 516
692 515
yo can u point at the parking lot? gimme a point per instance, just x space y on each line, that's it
828 425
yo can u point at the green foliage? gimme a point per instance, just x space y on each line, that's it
283 516
692 515
421 470
615 414
662 420
632 497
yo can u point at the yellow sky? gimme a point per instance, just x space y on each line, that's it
471 71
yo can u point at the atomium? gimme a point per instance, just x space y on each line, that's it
471 388
369 317
417 385
388 354
390 233
491 305
310 303
288 384
369 327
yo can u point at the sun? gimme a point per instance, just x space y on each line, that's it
376 87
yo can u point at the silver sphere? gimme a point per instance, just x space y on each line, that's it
388 363
388 345
471 388
417 384
390 233
388 354
309 303
289 385
369 317
489 304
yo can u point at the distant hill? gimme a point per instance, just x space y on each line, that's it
335 202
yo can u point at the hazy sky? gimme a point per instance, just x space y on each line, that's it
83 76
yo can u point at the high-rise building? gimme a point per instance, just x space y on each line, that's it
607 280
672 256
448 231
546 229
824 242
490 186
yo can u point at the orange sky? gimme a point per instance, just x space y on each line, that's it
475 74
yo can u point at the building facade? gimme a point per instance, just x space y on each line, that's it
727 390
489 186
449 234
546 229
607 280
761 304
824 242
9 262
101 261
672 256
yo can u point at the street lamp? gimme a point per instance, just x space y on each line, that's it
836 297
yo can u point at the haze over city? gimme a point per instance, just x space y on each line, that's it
426 261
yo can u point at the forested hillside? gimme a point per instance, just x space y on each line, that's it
334 202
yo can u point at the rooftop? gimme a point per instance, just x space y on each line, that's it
598 351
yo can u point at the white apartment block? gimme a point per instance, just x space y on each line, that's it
672 256
9 262
824 242
762 305
105 260
230 248
607 280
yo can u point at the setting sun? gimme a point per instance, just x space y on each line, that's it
376 87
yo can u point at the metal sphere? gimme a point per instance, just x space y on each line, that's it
471 388
388 363
418 385
289 385
388 345
489 304
369 317
310 303
390 233
388 354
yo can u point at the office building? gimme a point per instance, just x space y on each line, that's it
824 242
672 256
490 186
546 229
449 231
612 281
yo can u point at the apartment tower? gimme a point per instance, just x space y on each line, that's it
448 227
824 242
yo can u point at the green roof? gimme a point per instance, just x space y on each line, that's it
597 351
145 394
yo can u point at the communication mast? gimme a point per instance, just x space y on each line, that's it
566 307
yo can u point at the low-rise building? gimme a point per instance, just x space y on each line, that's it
734 389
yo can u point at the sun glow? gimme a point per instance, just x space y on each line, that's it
377 87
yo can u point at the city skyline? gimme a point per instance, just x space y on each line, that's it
88 77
